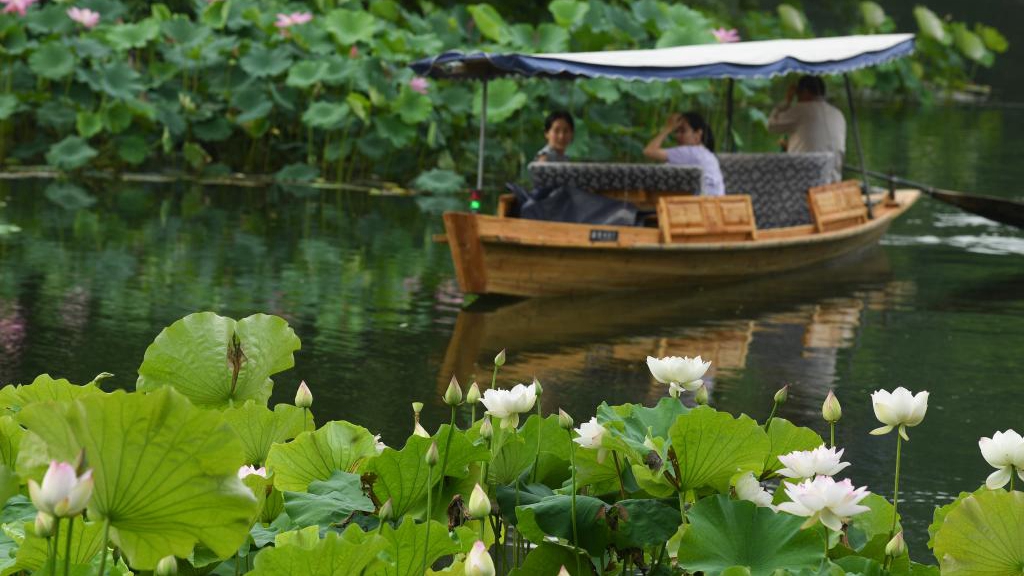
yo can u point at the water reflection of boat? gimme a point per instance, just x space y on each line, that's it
719 322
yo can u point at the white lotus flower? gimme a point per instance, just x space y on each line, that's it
824 499
590 436
679 373
898 409
250 470
379 444
821 461
1004 451
749 489
478 561
419 430
509 404
62 494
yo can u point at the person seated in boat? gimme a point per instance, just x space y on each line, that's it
696 148
810 124
558 131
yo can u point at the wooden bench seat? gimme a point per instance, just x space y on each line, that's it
706 218
837 206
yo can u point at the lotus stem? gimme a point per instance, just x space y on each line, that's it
472 415
67 548
56 543
618 474
106 538
426 546
444 458
896 487
572 506
540 428
832 434
775 406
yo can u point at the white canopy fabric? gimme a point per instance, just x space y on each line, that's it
756 59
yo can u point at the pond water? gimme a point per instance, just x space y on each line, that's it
939 306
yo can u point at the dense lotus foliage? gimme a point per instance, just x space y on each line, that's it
193 473
322 90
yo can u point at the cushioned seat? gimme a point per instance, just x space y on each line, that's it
777 183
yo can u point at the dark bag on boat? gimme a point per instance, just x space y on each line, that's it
571 204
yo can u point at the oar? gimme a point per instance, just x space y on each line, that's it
1001 210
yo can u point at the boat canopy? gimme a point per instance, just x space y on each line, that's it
755 59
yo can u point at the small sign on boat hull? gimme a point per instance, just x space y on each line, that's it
604 235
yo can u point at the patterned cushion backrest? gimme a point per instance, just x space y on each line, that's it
616 177
777 183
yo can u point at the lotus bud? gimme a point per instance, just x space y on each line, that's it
420 431
473 396
387 511
563 572
44 525
417 407
432 455
564 420
831 411
486 428
499 360
479 503
782 395
453 395
896 546
701 397
537 387
167 566
478 561
303 397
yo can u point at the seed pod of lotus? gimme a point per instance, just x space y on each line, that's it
167 566
486 428
417 407
479 503
44 525
453 395
303 397
499 360
701 397
831 411
896 546
537 387
473 396
432 455
387 511
564 420
782 395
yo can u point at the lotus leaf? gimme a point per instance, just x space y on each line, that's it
69 196
88 124
983 535
132 149
490 22
117 117
13 41
351 26
396 132
552 517
184 31
52 60
726 533
994 41
215 15
253 103
930 25
549 558
325 115
87 47
438 181
876 522
217 129
327 502
306 73
640 422
970 44
402 475
198 356
352 552
117 79
412 107
165 472
13 398
132 36
263 62
568 13
711 446
793 21
259 428
8 105
317 455
49 19
86 544
786 437
406 546
939 516
873 14
504 98
70 153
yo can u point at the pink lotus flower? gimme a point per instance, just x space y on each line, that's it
18 6
725 36
250 470
353 52
418 84
294 19
62 494
84 16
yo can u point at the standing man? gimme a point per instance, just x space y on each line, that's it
811 123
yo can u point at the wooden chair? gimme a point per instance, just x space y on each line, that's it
706 218
837 206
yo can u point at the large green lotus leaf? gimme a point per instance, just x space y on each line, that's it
411 106
123 37
196 354
785 437
792 20
513 458
438 181
407 544
992 38
551 38
133 149
260 427
549 558
117 79
509 498
983 535
10 439
69 196
52 60
643 523
86 543
518 452
504 98
327 502
353 552
165 472
867 525
726 533
639 422
306 73
939 516
51 19
568 13
930 25
490 23
325 115
872 14
712 446
553 517
43 389
316 455
8 105
88 124
969 43
351 26
264 62
70 153
402 474
600 475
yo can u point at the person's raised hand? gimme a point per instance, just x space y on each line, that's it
790 92
673 122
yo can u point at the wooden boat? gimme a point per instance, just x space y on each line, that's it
691 238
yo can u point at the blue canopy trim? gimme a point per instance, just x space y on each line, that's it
484 66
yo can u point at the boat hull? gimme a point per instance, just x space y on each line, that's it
526 258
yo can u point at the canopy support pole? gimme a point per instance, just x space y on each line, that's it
865 189
730 145
480 145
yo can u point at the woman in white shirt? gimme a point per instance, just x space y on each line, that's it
696 148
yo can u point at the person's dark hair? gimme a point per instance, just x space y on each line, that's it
696 122
559 115
812 85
